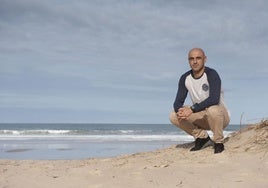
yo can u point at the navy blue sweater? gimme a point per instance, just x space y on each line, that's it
210 87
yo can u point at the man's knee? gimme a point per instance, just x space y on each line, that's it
218 113
173 118
214 110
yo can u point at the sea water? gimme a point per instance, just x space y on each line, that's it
81 141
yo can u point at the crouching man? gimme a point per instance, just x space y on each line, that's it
208 111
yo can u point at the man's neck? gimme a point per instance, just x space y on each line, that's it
199 73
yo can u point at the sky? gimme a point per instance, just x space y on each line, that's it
119 61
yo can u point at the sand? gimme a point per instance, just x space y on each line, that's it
244 163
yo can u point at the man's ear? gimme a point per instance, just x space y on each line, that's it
205 59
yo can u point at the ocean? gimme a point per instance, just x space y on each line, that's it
82 141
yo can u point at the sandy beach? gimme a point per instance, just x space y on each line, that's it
244 163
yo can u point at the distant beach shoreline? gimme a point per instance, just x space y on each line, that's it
82 141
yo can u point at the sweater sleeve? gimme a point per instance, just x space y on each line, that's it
181 94
214 91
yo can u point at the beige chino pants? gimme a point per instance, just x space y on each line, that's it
214 118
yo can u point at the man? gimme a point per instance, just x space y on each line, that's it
208 111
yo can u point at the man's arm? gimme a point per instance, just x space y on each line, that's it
181 94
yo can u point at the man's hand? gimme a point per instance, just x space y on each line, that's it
184 112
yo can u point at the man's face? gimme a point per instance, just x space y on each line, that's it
197 60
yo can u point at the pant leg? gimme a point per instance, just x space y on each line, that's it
214 118
196 125
218 118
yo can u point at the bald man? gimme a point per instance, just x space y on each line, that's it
208 111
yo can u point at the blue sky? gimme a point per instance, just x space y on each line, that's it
118 61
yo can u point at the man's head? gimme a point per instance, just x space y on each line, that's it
197 59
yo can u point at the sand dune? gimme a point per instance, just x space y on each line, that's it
244 163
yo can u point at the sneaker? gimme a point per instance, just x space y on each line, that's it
201 143
218 147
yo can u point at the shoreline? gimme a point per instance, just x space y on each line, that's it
244 163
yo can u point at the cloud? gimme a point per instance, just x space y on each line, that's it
131 29
124 52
